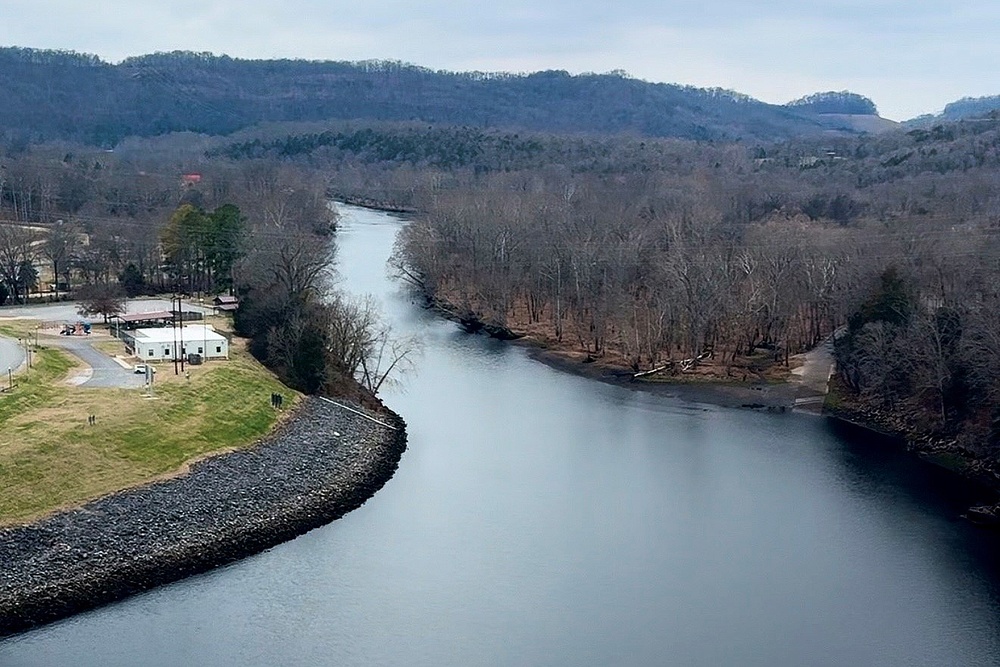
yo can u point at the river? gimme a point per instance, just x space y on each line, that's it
539 518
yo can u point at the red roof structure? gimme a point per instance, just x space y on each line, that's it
147 317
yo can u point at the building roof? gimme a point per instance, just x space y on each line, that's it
143 317
188 333
225 298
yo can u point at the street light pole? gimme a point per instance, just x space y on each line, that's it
204 331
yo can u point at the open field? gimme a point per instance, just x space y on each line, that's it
52 457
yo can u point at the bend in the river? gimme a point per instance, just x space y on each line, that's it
542 518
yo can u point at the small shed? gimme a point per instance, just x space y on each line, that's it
225 303
170 343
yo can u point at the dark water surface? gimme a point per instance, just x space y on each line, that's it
540 518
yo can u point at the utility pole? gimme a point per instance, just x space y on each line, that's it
180 312
174 323
204 332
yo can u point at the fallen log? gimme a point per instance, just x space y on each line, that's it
684 364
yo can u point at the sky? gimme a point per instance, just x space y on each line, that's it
911 57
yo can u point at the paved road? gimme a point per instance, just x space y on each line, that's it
55 312
11 356
106 372
812 378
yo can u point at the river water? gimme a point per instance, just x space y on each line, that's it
539 518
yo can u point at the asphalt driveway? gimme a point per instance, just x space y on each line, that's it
11 356
106 372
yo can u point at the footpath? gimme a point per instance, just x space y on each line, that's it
811 379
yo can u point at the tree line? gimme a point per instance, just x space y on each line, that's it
736 257
83 217
644 251
316 338
59 95
643 275
133 226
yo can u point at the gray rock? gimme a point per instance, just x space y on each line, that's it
225 508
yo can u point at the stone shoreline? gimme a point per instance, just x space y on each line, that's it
323 462
942 453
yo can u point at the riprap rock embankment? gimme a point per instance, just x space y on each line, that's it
323 462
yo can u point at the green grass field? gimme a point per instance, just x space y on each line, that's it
51 457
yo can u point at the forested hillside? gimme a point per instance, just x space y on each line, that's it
713 258
57 95
967 107
725 259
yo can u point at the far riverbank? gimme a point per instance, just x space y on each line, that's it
770 396
762 396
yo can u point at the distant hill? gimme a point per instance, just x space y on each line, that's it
971 106
967 107
839 103
842 111
64 95
856 123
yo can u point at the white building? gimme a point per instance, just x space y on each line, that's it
169 343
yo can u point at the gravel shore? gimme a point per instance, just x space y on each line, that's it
323 462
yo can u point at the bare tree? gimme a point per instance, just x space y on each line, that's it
293 266
59 247
17 245
103 299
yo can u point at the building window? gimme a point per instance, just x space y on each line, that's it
150 351
166 352
218 349
199 351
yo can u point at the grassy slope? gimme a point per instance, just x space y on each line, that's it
50 457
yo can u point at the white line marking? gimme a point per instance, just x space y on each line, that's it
357 412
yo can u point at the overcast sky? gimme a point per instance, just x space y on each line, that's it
911 57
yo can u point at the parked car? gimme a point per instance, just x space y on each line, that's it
141 368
